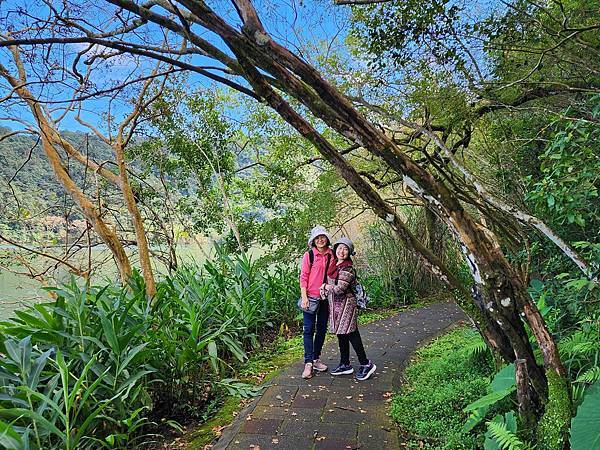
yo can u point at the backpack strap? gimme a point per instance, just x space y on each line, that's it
311 257
326 268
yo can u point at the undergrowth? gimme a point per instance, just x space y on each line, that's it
443 378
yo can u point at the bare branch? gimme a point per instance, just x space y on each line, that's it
72 268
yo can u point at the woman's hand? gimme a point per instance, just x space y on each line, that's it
305 303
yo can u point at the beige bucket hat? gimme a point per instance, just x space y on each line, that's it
318 231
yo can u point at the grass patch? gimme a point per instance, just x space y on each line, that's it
206 433
366 317
444 377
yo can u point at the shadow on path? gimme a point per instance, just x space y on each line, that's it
329 412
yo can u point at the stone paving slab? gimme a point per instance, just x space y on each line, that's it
340 412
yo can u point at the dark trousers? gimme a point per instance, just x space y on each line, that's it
315 328
344 341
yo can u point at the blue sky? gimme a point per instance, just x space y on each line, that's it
300 25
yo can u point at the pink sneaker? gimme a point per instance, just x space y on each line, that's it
319 366
307 373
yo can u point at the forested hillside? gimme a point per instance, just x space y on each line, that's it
28 186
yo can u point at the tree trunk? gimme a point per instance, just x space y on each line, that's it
50 139
136 218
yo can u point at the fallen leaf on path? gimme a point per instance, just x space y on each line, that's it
218 430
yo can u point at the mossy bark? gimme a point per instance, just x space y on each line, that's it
553 427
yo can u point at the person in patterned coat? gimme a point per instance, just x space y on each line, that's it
343 311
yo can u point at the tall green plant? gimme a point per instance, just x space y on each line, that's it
95 367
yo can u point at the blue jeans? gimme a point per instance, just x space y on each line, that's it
315 328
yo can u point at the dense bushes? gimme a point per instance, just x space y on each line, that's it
94 368
451 380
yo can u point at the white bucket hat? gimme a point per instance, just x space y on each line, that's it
347 242
318 231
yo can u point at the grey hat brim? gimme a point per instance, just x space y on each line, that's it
347 242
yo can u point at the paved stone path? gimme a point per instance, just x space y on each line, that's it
329 412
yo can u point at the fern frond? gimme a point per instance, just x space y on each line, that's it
589 376
505 438
476 348
586 348
579 343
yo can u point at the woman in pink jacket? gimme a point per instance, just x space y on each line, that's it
313 274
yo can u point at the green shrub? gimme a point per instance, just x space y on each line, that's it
446 376
95 367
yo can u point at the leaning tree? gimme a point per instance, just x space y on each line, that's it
229 44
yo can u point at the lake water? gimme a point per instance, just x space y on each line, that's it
17 291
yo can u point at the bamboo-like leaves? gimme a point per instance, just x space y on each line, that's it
83 371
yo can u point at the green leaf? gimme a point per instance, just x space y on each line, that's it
506 439
32 415
132 354
504 379
510 420
474 419
536 285
585 426
36 370
9 438
212 352
14 400
489 399
235 348
490 443
111 337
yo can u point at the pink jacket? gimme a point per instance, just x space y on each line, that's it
311 278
